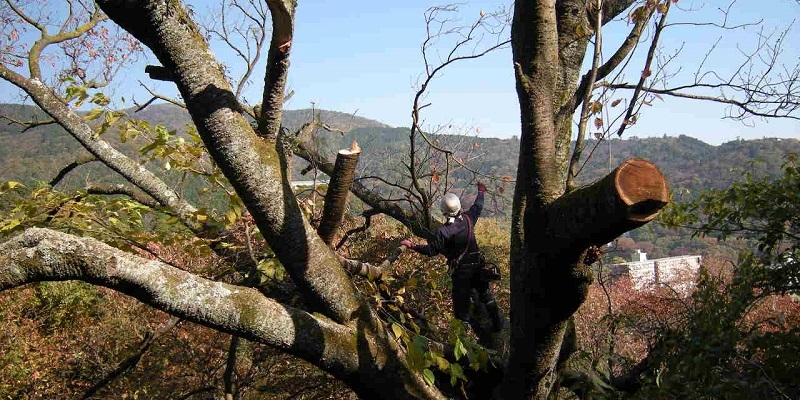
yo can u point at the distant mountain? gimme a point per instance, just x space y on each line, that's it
294 119
690 165
175 118
39 152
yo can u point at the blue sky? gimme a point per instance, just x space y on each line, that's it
363 57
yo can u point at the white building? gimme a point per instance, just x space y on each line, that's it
669 271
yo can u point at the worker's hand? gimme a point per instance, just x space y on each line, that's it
407 243
481 187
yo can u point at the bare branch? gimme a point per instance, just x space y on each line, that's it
111 190
132 360
83 159
623 51
646 72
155 97
437 28
26 125
242 27
783 108
585 107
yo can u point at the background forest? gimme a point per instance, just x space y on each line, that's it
690 165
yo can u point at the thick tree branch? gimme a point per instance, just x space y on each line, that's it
625 199
45 255
269 120
535 45
646 72
339 187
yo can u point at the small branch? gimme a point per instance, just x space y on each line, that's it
230 367
368 214
780 111
156 96
134 194
616 59
83 159
132 360
26 125
585 105
645 72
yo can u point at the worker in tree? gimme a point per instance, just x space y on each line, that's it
456 241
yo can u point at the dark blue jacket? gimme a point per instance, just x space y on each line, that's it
450 239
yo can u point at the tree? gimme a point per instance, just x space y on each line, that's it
735 333
555 226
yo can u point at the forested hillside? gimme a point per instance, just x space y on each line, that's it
689 164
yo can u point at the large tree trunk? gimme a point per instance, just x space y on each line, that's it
554 282
549 236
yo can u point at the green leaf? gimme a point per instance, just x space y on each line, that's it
441 362
10 185
456 373
459 350
416 353
397 330
8 225
428 375
93 114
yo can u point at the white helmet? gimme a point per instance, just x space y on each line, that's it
450 205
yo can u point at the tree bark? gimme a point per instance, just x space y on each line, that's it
338 188
534 43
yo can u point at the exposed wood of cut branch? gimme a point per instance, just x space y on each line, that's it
336 197
627 198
